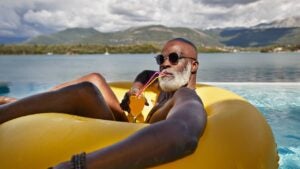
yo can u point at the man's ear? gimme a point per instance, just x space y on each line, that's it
195 65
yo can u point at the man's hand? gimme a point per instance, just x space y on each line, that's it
126 100
5 99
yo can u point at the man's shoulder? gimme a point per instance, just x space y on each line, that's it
144 76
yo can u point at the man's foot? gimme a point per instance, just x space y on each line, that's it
5 99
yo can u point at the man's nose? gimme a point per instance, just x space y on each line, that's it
166 62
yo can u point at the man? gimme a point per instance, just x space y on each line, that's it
177 121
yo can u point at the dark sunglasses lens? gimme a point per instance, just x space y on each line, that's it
159 59
173 58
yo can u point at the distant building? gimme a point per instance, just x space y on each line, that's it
278 49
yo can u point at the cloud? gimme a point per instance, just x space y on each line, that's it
226 3
248 14
28 18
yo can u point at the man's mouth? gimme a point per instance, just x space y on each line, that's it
166 74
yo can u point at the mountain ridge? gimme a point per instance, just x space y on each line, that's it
279 32
290 22
157 34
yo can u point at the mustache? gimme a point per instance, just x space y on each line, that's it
174 79
166 69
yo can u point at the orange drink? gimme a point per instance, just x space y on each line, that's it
136 104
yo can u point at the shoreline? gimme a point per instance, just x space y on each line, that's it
253 83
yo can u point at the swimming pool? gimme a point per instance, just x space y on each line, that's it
280 104
270 82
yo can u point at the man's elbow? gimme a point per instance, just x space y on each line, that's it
187 141
191 144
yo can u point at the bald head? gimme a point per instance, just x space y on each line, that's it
187 48
185 41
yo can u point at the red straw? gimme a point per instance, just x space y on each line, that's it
152 78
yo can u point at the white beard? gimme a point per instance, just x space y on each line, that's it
179 79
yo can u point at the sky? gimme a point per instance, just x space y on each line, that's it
28 18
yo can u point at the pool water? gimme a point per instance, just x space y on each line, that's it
271 82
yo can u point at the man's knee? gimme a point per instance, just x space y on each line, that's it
82 90
88 87
96 78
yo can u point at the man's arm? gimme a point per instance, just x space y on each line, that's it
161 142
140 80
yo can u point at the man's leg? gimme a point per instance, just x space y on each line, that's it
82 99
99 81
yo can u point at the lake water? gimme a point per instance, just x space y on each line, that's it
271 82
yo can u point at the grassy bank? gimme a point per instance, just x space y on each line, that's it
88 49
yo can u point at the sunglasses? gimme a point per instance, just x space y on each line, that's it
173 58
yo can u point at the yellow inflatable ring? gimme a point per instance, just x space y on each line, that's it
236 136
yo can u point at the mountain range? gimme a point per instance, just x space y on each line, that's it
256 37
282 32
156 34
283 23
